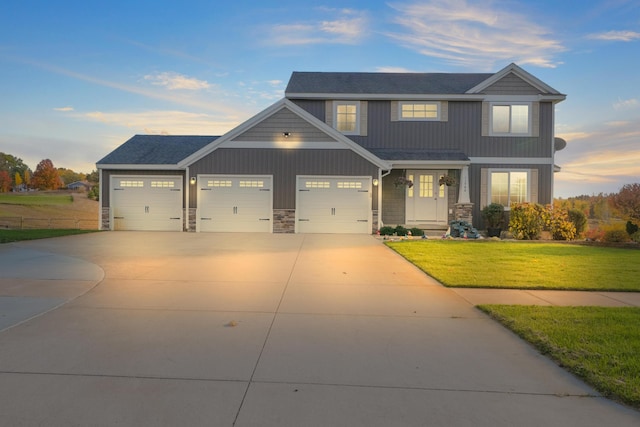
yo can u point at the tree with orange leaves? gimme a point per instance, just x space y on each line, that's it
46 176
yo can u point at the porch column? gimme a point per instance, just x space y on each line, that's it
463 196
464 207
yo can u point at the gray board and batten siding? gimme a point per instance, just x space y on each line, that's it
285 165
462 131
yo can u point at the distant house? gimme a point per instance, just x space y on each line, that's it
346 153
79 186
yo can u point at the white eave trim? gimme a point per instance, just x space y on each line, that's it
387 96
129 166
512 160
430 164
529 78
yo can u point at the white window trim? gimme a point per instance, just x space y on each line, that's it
356 131
508 103
490 174
438 117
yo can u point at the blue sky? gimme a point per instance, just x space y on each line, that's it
78 78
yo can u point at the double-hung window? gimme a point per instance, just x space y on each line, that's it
347 117
508 186
510 119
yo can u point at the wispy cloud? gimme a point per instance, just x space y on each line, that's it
63 109
175 81
348 26
626 104
476 35
607 157
163 122
618 36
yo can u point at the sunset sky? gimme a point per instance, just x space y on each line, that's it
78 78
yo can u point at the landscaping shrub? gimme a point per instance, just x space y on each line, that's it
615 235
594 234
527 220
416 231
631 228
400 231
387 230
559 224
635 237
579 220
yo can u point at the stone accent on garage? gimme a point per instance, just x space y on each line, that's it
284 220
191 219
375 226
104 222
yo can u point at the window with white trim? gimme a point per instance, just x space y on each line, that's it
219 183
163 184
317 184
420 111
347 117
510 119
508 187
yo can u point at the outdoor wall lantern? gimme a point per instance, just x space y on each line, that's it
193 180
375 182
286 134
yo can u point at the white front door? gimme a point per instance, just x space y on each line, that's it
427 201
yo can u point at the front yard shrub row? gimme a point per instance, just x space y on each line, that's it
387 230
527 221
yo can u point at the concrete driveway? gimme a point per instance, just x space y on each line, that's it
192 329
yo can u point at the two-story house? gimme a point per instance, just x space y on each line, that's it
347 153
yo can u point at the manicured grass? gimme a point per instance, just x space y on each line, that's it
600 345
7 236
36 199
522 265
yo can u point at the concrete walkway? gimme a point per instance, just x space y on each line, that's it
266 330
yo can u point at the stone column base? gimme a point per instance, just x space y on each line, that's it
464 212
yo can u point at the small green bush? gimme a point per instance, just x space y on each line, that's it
400 231
579 220
631 228
387 230
635 237
416 231
615 235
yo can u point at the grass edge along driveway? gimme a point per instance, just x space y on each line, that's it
598 344
524 265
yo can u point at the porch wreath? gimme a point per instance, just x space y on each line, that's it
402 181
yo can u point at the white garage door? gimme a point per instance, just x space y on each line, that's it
231 203
147 203
333 204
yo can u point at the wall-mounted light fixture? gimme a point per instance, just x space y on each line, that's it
286 134
375 182
192 181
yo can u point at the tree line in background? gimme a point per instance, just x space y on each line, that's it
16 176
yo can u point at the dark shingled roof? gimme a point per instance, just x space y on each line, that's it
383 83
156 150
432 155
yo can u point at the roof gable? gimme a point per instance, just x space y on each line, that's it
513 72
235 137
155 150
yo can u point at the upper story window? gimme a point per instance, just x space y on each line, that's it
510 119
347 117
419 111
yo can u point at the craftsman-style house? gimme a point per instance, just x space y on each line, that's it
347 153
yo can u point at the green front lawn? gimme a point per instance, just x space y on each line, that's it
599 345
523 265
36 199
